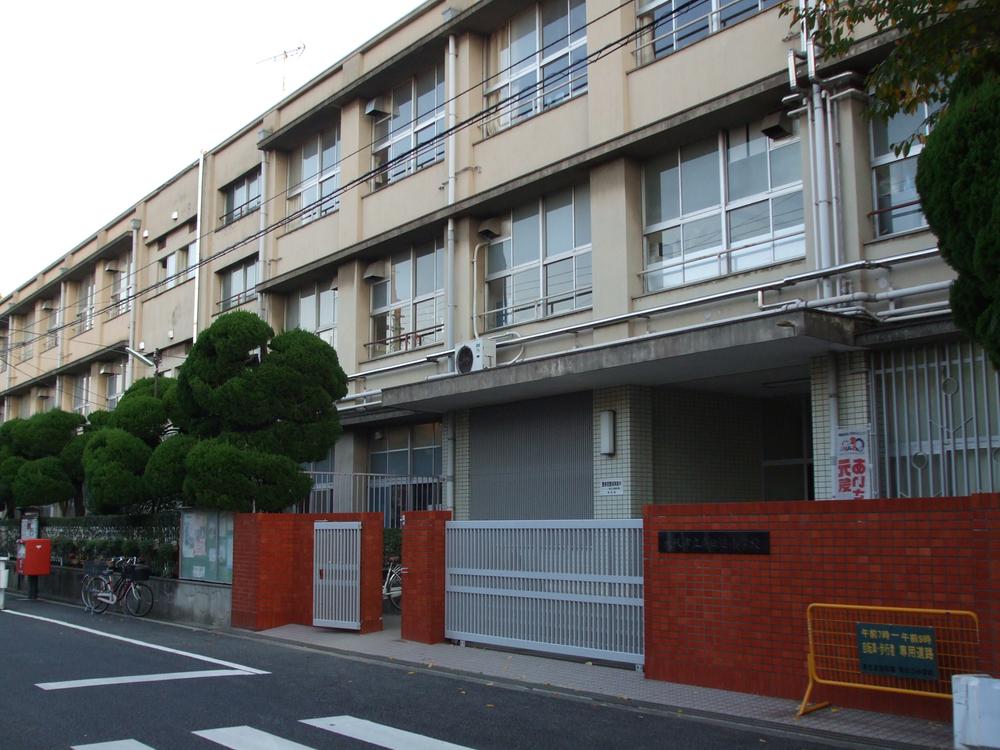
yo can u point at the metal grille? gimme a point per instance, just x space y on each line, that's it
939 420
564 587
337 574
376 493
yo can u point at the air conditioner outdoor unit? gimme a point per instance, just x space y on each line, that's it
42 393
111 267
376 107
476 355
48 306
108 370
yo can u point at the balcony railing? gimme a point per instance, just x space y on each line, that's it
374 493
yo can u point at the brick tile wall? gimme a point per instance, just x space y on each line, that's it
424 575
738 621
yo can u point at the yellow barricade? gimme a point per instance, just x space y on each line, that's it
890 649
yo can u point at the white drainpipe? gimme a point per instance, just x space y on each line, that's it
448 433
197 234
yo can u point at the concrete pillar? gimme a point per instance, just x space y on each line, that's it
854 410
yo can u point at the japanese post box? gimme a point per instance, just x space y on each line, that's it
34 557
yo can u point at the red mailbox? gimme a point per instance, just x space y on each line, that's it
34 557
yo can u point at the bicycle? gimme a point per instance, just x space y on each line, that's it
121 583
392 584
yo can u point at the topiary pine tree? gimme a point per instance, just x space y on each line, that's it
114 462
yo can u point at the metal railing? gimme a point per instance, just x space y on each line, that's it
404 341
388 494
564 587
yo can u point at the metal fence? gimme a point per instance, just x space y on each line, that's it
337 574
380 493
564 587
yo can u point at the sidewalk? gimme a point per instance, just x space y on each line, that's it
625 685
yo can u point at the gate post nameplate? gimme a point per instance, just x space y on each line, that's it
716 542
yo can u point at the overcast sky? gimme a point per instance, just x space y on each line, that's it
105 101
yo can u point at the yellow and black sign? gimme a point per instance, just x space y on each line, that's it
897 650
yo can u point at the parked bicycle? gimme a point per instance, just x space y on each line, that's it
120 582
392 583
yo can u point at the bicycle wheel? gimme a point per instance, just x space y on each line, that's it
84 584
95 589
394 589
139 600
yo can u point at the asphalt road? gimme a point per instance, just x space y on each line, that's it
66 687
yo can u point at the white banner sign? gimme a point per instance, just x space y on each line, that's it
852 468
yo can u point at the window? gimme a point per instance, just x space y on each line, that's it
894 178
27 335
405 470
238 284
118 271
314 175
722 205
666 26
314 309
242 197
112 389
84 305
542 266
405 137
81 394
408 304
177 267
50 313
535 61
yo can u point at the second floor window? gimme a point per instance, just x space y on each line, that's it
81 394
112 389
535 61
238 284
408 304
84 305
314 175
894 178
699 225
541 266
670 25
314 309
242 197
405 137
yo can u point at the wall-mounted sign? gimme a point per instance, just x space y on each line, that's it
610 487
906 651
852 469
717 542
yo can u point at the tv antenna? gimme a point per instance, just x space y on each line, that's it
283 57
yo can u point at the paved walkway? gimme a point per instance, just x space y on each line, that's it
863 727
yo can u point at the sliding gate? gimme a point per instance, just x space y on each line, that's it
563 587
337 574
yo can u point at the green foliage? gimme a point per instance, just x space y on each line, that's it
71 456
142 416
392 542
44 434
933 40
41 482
9 467
958 179
223 476
165 472
113 464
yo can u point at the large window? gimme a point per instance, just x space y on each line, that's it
177 267
535 61
81 394
408 304
669 25
53 320
27 335
113 386
405 134
238 284
722 205
405 470
894 178
242 197
314 175
541 266
314 309
84 305
118 271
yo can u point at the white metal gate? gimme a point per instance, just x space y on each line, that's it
564 587
337 574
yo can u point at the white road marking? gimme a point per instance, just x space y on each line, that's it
379 734
248 738
144 644
162 677
116 745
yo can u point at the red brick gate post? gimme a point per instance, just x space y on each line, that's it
423 575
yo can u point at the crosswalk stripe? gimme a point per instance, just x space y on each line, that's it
379 734
248 738
162 677
116 745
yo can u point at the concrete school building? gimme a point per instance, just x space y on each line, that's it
575 256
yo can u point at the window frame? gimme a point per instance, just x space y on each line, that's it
81 393
247 292
327 176
404 310
385 169
499 85
888 160
85 303
248 181
543 306
326 332
690 265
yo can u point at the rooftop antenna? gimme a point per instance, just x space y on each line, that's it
283 58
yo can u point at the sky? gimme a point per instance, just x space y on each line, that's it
105 101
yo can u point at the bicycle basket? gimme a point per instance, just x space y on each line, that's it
137 572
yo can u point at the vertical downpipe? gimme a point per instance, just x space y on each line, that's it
448 433
822 196
833 400
201 254
133 304
263 263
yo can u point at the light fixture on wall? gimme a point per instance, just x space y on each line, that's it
607 432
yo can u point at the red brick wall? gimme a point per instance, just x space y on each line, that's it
423 575
273 569
738 621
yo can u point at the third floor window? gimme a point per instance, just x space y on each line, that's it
314 175
238 284
408 303
894 178
242 197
